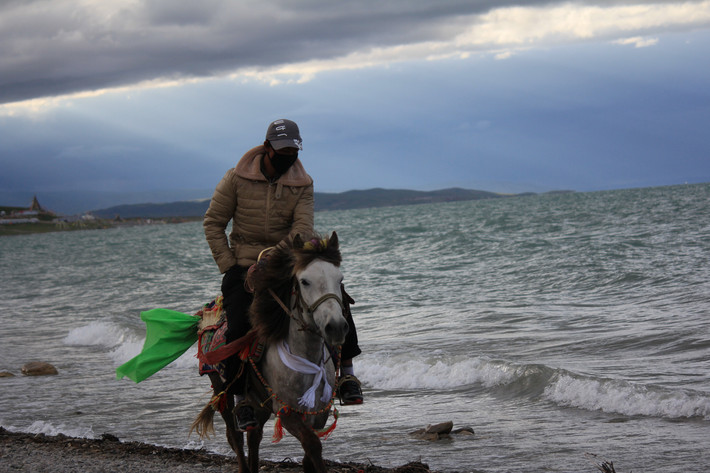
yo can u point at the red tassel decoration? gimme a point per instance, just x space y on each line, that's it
325 433
278 428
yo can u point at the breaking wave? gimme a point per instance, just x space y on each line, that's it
564 388
622 397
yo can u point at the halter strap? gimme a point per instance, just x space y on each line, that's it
299 320
307 308
321 300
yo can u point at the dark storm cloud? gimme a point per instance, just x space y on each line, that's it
54 47
57 47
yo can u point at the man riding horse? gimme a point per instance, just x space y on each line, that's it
268 197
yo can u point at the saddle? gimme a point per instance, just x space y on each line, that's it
212 346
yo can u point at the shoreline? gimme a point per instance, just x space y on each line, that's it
98 224
20 451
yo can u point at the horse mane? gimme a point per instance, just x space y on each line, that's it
277 272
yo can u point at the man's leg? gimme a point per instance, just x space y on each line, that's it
349 390
236 304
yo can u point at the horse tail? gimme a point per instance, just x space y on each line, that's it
204 423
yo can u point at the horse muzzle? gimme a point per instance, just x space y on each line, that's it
335 331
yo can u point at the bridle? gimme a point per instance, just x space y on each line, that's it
312 308
305 308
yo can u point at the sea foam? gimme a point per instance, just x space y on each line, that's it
104 334
405 372
47 428
622 397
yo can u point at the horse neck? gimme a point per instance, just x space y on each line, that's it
304 343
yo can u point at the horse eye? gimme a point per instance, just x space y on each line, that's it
305 283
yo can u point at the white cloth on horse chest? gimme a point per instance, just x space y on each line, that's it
301 365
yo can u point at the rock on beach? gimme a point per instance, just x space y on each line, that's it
442 430
38 368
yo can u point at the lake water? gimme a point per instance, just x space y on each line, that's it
555 326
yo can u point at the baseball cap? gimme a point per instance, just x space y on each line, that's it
284 134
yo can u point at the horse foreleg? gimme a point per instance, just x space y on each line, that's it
236 441
234 437
312 447
254 437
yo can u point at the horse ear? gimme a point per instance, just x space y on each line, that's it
297 241
333 241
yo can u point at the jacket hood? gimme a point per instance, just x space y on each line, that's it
249 167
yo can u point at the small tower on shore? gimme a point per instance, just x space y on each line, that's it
35 205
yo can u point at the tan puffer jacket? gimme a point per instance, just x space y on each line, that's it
263 213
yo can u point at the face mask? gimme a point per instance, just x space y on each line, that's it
281 162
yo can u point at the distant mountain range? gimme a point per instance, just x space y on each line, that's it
77 202
355 199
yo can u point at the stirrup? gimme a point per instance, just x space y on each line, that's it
349 390
247 421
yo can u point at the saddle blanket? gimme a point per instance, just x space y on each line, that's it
212 333
212 336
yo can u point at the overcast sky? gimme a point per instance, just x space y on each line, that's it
507 96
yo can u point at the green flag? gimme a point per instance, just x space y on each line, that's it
168 335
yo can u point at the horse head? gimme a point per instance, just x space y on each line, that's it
318 285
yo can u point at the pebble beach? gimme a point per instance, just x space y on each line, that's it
39 453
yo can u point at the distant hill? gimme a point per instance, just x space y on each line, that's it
356 199
378 197
192 208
